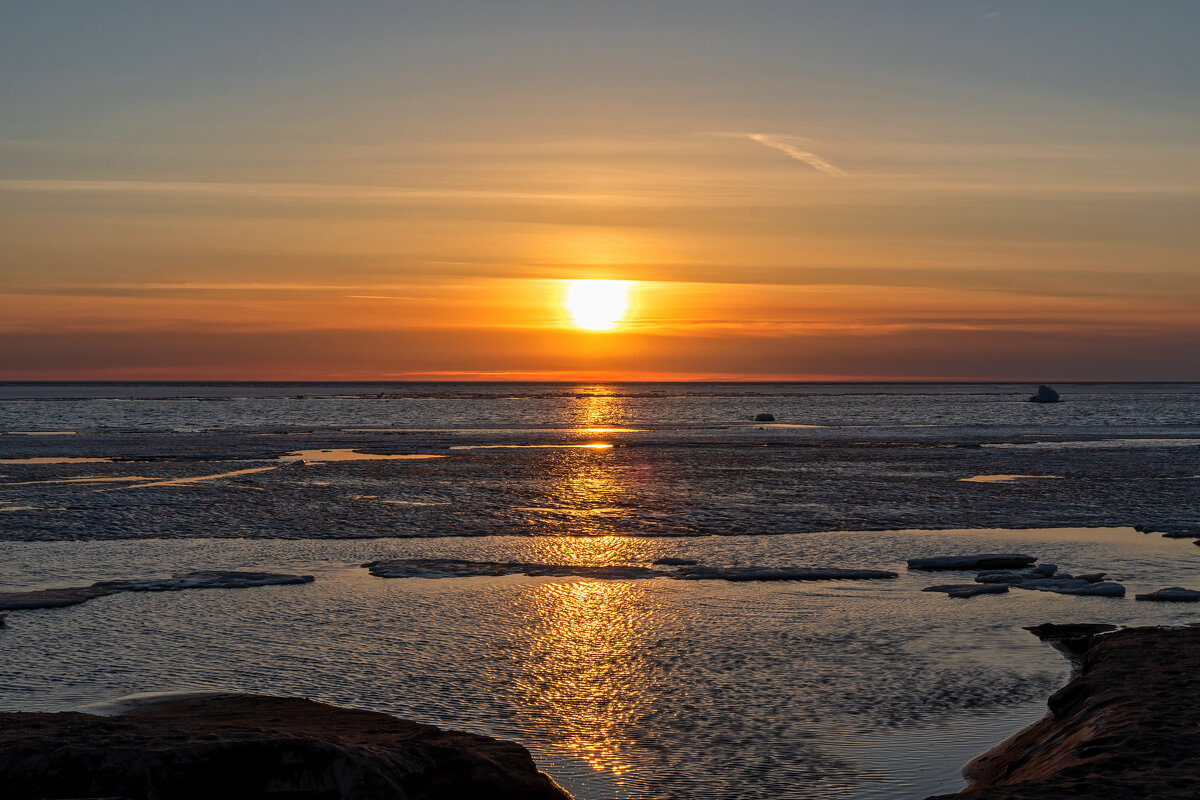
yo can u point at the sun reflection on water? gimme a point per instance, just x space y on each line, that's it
585 661
595 409
585 666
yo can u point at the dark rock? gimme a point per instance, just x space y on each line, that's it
740 574
1092 577
1124 727
207 579
985 561
1071 639
670 561
1044 395
240 746
1073 630
1171 594
1072 586
765 418
968 589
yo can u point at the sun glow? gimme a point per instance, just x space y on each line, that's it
596 305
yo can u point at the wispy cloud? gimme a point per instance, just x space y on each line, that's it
303 191
791 146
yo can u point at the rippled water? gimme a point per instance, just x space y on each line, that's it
306 460
650 688
620 688
533 407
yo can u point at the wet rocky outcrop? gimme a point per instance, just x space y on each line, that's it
204 579
1125 726
245 746
1069 630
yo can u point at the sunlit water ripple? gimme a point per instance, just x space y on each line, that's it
620 688
650 688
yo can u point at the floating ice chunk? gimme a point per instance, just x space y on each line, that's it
1016 575
984 561
1073 586
1171 594
460 568
699 573
968 589
207 579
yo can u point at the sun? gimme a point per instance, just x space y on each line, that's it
596 305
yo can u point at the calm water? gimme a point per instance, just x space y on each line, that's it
652 688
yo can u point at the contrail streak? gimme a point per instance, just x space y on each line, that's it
812 159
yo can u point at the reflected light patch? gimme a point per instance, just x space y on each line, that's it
596 305
595 446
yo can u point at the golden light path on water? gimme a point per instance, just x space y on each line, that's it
586 653
584 665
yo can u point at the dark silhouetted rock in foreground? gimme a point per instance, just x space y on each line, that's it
968 589
985 561
1124 727
670 561
1070 639
701 573
207 579
765 418
1171 594
1044 395
1051 630
237 747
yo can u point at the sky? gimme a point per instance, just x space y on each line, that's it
279 190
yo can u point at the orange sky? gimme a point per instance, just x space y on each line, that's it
983 208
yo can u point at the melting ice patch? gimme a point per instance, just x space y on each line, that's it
54 460
459 568
345 454
1002 478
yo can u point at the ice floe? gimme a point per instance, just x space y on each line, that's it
204 579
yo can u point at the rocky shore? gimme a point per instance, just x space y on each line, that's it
250 746
1126 726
